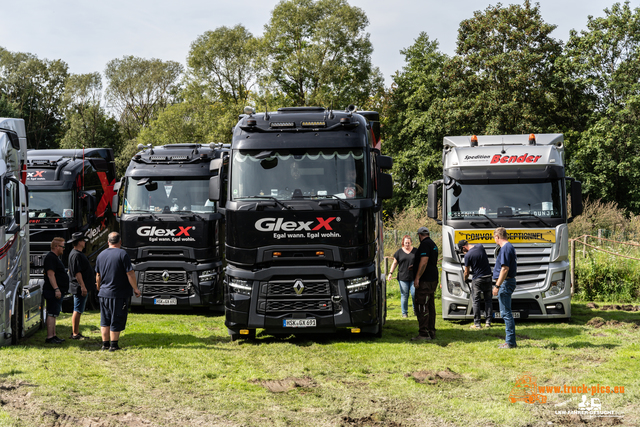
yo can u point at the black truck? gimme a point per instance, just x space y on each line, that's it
303 222
172 232
69 191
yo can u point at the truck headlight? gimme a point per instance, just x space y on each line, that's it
455 288
556 288
239 286
206 275
358 284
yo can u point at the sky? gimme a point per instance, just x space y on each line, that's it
88 34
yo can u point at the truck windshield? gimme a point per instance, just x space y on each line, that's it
288 174
544 200
167 194
50 204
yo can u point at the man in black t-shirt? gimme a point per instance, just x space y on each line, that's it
56 284
116 283
425 266
477 262
83 281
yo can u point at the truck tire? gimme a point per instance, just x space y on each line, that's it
16 322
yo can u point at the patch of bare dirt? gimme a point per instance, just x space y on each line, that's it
16 399
432 377
578 420
596 322
287 384
625 307
370 420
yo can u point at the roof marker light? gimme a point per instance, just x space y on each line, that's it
474 141
532 139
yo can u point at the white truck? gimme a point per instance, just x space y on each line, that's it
20 301
517 182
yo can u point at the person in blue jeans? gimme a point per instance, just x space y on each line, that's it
504 273
403 259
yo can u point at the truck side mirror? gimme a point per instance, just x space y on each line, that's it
576 198
432 201
215 183
385 186
384 162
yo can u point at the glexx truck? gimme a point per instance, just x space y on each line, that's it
517 182
69 191
20 299
303 219
172 232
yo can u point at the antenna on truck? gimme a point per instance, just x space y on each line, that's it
502 152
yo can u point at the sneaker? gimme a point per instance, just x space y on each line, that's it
507 345
487 325
53 340
476 327
77 337
104 348
116 348
404 316
432 335
421 338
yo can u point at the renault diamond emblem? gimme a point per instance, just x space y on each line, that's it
165 276
298 286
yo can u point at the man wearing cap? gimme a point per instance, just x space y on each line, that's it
116 283
83 281
477 262
425 266
56 284
504 273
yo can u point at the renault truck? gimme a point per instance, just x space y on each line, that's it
517 182
172 232
303 206
20 298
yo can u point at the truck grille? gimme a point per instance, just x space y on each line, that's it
298 295
324 306
533 265
154 283
287 287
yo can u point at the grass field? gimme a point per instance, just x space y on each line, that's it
182 370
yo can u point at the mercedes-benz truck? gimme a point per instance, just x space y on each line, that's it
517 182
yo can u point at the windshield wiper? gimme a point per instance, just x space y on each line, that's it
490 220
266 197
535 216
337 198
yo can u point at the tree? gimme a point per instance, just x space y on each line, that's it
138 89
317 53
408 134
606 61
34 87
87 124
222 65
7 109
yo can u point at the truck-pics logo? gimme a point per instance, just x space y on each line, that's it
279 224
155 234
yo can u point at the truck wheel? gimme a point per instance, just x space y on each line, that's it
16 323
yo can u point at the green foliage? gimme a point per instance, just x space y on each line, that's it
139 89
34 88
606 60
608 278
7 109
223 65
317 53
87 124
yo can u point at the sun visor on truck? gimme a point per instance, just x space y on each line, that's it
506 175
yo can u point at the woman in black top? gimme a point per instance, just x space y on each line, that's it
403 258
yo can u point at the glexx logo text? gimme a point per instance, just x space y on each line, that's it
279 224
153 231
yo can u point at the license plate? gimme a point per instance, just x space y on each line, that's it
516 314
165 301
299 323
